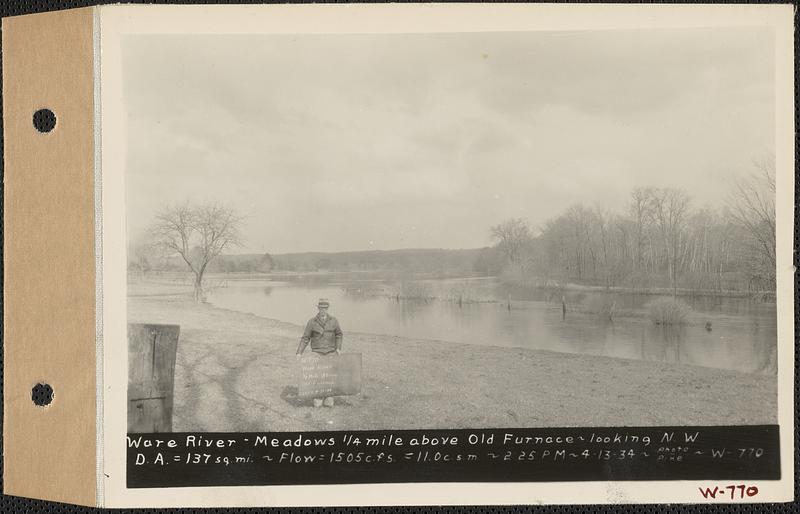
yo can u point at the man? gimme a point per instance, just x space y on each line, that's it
323 333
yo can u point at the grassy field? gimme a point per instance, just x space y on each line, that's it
236 372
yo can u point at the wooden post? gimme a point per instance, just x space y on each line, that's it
151 376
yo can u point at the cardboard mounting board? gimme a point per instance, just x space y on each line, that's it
49 241
73 450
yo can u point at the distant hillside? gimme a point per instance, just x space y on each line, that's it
428 260
422 260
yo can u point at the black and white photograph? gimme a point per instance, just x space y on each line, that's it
454 230
447 251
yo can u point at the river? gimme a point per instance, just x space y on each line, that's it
742 335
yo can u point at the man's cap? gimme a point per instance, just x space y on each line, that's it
323 302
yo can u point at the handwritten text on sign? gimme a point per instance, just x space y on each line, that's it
329 375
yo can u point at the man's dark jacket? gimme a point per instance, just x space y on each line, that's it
324 337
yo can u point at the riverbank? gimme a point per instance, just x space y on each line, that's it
236 372
512 283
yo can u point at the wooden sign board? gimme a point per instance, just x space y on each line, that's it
329 375
151 375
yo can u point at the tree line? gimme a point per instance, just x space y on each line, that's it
444 262
659 239
199 238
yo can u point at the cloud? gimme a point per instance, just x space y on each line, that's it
428 139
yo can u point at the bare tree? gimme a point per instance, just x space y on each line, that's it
641 212
670 208
752 205
603 218
198 234
513 237
580 221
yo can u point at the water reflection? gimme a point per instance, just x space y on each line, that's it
742 336
408 311
668 340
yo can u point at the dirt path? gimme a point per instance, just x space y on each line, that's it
235 372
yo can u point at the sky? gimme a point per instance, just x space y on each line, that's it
357 142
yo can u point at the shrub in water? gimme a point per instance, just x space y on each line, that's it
668 311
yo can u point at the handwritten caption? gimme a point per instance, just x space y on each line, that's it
729 492
457 455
